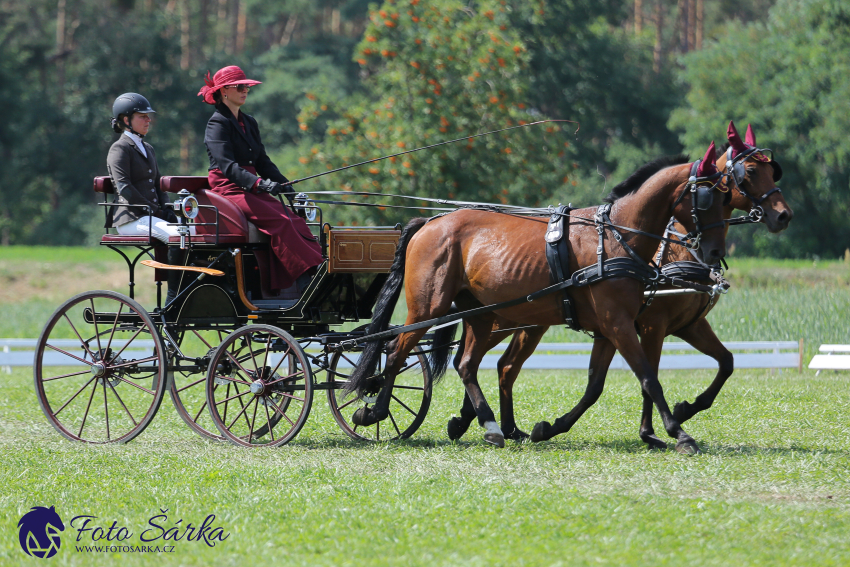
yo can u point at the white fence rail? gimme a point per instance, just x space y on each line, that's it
548 356
831 360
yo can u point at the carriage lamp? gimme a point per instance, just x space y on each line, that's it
186 204
304 207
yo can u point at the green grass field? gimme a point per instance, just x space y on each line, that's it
771 488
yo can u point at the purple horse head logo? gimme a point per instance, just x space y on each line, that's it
39 532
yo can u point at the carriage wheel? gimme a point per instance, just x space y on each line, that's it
409 404
259 387
188 385
100 368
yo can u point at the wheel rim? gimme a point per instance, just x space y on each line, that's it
409 403
259 387
188 385
100 368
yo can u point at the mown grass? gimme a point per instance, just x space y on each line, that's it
772 487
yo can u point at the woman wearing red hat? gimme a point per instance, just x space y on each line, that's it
241 171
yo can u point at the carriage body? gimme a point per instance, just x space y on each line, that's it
239 362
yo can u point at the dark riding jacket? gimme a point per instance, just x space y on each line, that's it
136 180
231 149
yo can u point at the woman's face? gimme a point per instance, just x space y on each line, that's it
141 123
233 94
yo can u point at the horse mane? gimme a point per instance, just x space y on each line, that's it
644 172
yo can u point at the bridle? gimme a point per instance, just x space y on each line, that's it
736 170
702 197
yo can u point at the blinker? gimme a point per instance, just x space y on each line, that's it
777 171
703 197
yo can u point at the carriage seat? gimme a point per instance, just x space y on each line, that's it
234 227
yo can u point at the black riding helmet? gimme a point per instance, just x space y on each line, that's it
126 105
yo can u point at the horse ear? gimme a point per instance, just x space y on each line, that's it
750 137
707 166
735 141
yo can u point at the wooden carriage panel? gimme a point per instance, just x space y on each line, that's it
367 251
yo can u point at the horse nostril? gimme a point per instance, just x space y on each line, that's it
785 217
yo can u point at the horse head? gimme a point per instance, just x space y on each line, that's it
698 206
39 531
753 174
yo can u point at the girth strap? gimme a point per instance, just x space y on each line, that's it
558 258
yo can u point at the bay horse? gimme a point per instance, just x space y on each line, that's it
477 258
753 178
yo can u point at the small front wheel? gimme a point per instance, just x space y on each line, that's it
259 387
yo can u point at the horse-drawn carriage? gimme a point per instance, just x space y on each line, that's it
238 362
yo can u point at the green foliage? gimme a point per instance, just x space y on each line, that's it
789 79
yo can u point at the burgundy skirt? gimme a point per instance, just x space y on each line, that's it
295 249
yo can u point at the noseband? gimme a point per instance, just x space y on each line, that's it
737 171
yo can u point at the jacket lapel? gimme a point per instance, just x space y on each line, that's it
229 115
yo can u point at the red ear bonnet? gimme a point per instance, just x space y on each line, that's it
735 140
751 137
707 167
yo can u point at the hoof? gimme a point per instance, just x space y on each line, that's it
541 432
364 417
518 435
682 412
653 442
495 439
456 428
688 447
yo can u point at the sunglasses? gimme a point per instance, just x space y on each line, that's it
240 88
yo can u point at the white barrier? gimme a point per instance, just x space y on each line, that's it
548 356
831 360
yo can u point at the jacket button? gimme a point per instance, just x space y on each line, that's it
150 171
150 180
250 162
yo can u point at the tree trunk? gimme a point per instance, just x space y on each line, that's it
682 24
335 21
185 144
241 26
286 36
692 25
221 24
699 25
638 16
185 40
60 57
658 50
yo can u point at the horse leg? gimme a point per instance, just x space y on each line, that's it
366 416
652 341
600 359
457 426
702 337
629 346
477 340
521 347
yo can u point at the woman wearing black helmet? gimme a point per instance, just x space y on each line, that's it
132 166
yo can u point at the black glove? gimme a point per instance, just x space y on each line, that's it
269 186
167 214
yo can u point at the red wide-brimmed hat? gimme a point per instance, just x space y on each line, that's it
226 76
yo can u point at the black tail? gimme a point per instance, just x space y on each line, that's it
384 306
439 357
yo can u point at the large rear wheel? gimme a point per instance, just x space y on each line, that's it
100 368
259 387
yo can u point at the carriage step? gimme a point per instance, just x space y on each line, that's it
161 266
109 318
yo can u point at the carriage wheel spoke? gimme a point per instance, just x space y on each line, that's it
71 355
226 394
351 362
65 375
74 396
253 420
266 354
84 343
408 367
402 404
282 358
106 410
133 362
114 391
195 383
395 425
197 334
281 412
114 326
377 431
290 396
86 415
346 404
236 362
251 352
241 413
397 387
298 374
94 321
235 396
269 421
346 376
142 388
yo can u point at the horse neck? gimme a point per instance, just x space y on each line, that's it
649 209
